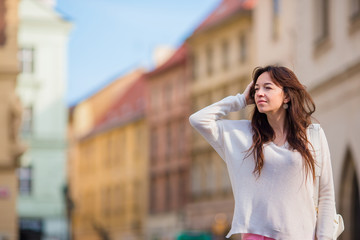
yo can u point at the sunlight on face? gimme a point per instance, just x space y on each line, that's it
269 97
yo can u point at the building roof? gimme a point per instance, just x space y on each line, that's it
177 58
130 106
225 10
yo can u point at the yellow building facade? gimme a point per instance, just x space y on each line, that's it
221 58
108 170
10 119
112 184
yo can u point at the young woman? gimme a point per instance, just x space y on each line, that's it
270 161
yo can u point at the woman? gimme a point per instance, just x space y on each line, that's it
269 159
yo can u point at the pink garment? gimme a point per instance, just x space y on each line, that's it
250 236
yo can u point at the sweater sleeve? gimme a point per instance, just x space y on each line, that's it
206 121
327 211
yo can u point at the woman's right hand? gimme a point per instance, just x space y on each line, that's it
249 99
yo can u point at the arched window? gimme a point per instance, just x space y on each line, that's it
350 199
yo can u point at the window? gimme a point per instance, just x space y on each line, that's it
117 146
110 149
25 180
243 48
168 95
154 144
275 19
210 175
355 9
182 183
122 200
225 54
27 120
118 201
137 198
89 156
154 99
153 192
2 23
168 192
196 178
181 137
321 20
122 149
26 60
106 201
194 63
180 83
90 203
138 139
209 61
168 141
354 16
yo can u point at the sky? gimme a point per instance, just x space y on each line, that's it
111 37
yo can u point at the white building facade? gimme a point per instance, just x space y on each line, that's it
328 62
43 38
320 41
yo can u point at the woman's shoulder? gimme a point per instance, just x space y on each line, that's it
314 127
315 132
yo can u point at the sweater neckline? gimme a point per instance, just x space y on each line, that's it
285 145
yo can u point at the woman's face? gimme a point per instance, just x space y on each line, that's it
269 97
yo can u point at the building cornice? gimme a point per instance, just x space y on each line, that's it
6 74
117 123
41 23
45 143
336 79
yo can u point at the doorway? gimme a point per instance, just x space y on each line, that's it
350 199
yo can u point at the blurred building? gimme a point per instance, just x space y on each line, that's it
93 107
43 39
320 41
221 61
11 147
275 25
167 114
107 162
328 62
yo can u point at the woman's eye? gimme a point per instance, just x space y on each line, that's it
256 89
268 87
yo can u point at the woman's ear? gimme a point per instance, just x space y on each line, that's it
286 98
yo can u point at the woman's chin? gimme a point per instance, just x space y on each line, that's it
261 110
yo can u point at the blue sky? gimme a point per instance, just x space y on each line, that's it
111 37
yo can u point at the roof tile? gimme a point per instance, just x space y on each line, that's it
225 9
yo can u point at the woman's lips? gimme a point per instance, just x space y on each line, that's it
261 101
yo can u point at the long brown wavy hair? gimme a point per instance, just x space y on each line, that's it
298 118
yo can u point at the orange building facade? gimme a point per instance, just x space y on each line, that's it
167 113
11 147
221 63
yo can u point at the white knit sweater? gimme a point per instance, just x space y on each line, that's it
279 204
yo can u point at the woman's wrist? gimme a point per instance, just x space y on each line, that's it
240 102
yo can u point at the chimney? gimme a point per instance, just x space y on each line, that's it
161 54
48 3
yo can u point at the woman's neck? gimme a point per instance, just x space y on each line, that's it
277 122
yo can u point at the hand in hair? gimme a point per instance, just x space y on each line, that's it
249 99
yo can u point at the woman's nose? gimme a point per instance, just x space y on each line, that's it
259 92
